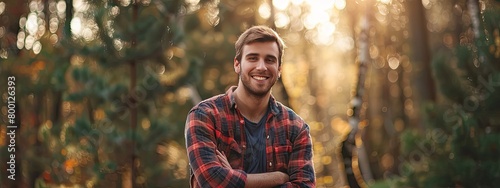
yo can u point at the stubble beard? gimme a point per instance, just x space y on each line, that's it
254 92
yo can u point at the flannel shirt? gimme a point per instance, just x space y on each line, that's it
216 123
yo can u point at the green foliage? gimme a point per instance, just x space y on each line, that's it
461 145
77 92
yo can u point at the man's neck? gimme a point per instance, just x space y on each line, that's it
251 107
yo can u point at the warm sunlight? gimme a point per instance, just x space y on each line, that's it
318 17
265 11
385 1
281 4
32 23
114 93
76 26
2 7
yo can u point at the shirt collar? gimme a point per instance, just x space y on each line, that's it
273 104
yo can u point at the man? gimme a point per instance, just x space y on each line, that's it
245 138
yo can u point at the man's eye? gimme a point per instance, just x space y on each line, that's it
252 58
271 60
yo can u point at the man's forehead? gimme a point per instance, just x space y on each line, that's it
255 50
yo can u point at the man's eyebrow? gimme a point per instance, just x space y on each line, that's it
252 54
271 56
257 54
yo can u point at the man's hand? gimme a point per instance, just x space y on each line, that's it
223 159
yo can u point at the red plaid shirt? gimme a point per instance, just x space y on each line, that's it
216 123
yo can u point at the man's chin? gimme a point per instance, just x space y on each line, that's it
258 92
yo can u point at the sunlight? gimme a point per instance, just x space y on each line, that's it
265 11
282 20
61 7
314 18
340 4
76 26
20 39
118 44
386 1
82 26
30 40
32 24
2 7
192 2
325 32
314 15
37 47
344 43
125 2
320 5
213 15
80 5
297 2
281 4
53 25
393 63
114 11
426 3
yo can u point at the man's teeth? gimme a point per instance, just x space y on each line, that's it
259 77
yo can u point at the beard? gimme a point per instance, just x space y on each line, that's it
254 90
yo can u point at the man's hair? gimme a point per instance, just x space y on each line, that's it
259 34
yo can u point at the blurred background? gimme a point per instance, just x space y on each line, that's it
397 93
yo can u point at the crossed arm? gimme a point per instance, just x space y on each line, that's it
221 174
212 169
268 179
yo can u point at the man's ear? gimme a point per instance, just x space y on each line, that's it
279 71
236 65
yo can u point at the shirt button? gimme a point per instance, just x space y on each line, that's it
242 121
244 146
267 137
270 163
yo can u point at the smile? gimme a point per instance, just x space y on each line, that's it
259 77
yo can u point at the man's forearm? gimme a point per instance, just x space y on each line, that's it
268 179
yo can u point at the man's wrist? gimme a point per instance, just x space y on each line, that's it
283 178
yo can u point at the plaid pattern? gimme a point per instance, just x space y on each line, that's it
216 123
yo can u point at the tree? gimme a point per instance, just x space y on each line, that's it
463 129
101 102
145 42
422 82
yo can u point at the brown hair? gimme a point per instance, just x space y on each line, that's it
258 34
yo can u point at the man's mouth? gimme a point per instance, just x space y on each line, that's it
259 77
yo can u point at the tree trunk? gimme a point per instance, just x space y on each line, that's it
422 82
133 107
355 153
480 38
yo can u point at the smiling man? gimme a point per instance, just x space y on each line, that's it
245 138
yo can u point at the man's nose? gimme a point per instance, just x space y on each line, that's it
261 65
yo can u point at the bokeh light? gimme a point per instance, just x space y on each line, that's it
322 65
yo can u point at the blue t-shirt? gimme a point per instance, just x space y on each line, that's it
255 155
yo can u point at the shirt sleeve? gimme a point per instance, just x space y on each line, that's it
300 165
201 146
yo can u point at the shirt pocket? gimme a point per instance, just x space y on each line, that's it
233 152
282 154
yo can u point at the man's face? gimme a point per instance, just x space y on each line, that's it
259 67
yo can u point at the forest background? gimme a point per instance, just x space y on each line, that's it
396 92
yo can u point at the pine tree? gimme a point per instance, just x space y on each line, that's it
137 59
102 104
462 143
